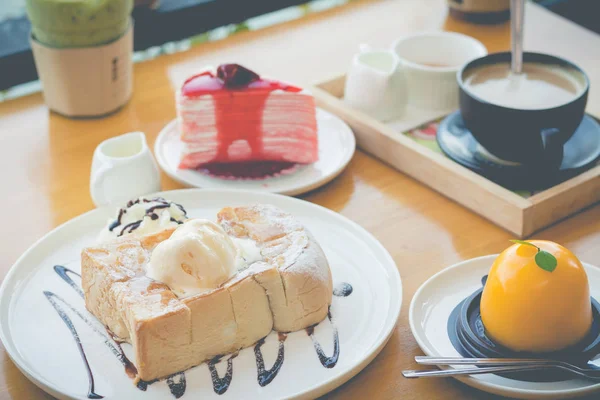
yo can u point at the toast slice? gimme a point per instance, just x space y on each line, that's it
288 290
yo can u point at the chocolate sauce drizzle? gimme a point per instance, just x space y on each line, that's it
130 369
327 362
114 347
63 273
130 227
52 298
118 221
220 385
343 289
150 212
143 385
265 376
177 382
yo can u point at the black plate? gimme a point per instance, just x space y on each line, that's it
467 335
581 152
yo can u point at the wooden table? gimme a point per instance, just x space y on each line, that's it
46 162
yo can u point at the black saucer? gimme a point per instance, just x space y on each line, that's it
467 335
580 153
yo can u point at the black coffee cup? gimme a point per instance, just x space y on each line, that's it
534 137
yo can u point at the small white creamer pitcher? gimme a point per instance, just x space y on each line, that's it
123 169
375 85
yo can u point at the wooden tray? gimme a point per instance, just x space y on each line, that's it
513 212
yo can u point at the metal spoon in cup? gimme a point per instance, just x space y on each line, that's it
517 16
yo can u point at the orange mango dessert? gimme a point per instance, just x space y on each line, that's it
536 302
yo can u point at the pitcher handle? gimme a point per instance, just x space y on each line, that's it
97 185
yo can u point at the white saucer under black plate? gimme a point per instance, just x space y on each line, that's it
42 344
581 152
428 316
336 148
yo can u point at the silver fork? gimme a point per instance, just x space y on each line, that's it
495 365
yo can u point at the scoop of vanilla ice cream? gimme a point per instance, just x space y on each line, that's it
198 257
142 217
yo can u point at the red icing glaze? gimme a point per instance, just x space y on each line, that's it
247 170
231 129
200 84
208 83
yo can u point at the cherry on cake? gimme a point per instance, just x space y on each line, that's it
234 116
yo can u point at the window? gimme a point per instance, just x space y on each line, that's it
170 22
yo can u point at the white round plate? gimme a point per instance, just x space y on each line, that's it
41 346
336 147
428 316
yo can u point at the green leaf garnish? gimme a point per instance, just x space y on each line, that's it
546 261
543 259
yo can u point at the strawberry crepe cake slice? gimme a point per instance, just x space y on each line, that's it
235 116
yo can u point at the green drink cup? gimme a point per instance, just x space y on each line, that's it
78 23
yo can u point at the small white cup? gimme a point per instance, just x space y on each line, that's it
374 84
430 62
123 169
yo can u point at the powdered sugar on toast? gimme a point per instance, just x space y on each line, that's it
288 290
